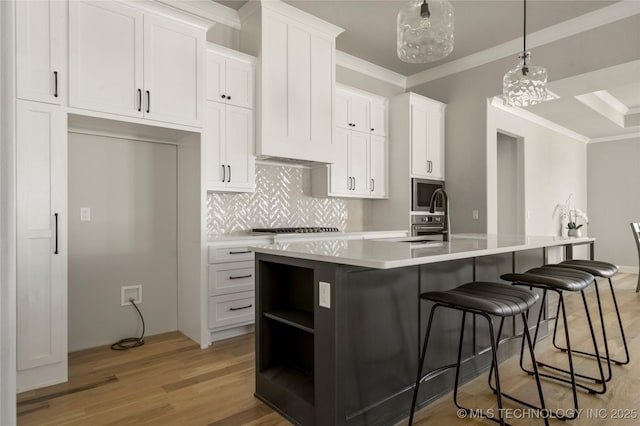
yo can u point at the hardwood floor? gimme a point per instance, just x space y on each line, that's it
170 381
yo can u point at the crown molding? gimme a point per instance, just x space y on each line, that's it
370 69
616 138
529 116
588 21
200 13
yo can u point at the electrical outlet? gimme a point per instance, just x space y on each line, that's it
325 295
85 214
475 214
130 292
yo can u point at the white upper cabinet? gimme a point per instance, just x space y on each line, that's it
378 117
173 71
105 57
296 80
229 129
352 111
360 157
378 181
135 63
229 147
41 50
427 137
360 112
230 77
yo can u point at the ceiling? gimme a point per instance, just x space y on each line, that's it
370 34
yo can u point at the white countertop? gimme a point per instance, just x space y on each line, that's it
390 253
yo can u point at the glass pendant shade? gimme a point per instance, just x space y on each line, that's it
425 31
524 85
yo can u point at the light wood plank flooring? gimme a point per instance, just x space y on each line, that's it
170 381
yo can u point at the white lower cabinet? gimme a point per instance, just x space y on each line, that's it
41 245
231 284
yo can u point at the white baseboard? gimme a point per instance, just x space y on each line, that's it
628 269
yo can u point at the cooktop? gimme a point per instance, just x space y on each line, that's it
296 230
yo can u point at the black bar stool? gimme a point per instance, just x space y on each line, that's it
559 280
484 299
599 270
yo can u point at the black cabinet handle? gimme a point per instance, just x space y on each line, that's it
139 100
240 252
55 84
148 101
373 184
242 276
354 183
229 97
241 307
55 215
372 129
224 173
229 177
224 96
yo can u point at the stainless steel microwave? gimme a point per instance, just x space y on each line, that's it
421 192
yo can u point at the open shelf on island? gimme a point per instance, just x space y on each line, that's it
302 320
294 379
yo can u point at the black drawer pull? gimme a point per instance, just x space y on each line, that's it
55 84
139 100
148 101
240 277
240 252
241 307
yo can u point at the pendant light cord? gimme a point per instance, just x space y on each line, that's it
524 39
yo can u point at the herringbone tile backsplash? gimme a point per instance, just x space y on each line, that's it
282 199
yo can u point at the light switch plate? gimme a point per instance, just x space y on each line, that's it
325 295
85 214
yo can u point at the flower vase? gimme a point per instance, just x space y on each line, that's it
574 233
563 227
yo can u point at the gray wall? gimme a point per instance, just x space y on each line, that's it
614 198
225 36
465 94
130 187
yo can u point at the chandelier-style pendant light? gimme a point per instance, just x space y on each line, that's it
425 31
526 84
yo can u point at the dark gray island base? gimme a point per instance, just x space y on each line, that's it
355 361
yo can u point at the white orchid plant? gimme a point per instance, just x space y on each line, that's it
571 214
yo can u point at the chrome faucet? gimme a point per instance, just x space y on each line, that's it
446 231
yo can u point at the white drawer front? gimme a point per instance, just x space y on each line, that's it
231 309
232 277
230 254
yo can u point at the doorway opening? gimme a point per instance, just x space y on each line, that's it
510 191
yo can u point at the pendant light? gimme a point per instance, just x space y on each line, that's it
526 84
425 31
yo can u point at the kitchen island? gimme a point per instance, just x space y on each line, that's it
339 323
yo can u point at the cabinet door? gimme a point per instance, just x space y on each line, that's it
173 71
359 114
377 161
340 177
214 134
41 243
297 92
240 83
215 76
359 163
435 144
105 57
342 107
419 132
239 149
378 118
41 54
